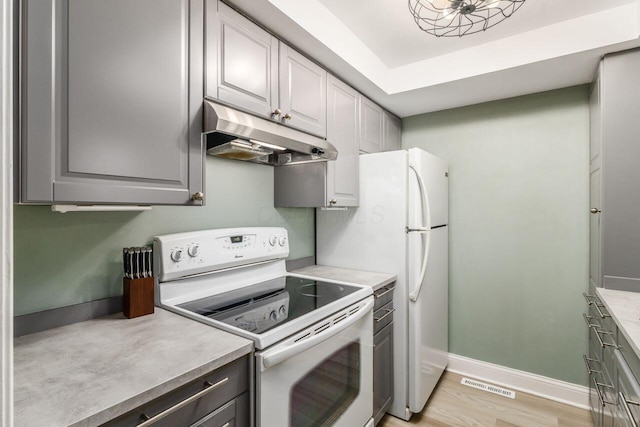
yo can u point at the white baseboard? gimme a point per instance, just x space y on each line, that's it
538 385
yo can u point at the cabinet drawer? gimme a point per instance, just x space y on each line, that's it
629 356
629 389
383 295
600 314
382 317
233 414
229 381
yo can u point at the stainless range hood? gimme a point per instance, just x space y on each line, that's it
237 135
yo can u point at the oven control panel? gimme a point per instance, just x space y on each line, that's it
184 254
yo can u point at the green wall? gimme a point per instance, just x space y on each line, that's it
64 259
519 193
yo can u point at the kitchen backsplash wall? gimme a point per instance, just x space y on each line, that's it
64 259
519 200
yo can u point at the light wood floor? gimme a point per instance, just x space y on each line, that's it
453 404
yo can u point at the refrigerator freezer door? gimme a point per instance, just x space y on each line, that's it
428 316
434 172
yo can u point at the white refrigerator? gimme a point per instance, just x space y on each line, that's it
401 227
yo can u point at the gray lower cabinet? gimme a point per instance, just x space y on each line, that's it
218 399
392 132
628 368
327 184
382 351
615 194
111 99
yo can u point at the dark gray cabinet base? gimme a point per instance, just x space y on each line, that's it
382 351
226 404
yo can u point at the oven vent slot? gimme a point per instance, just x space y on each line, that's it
321 328
329 324
340 318
304 337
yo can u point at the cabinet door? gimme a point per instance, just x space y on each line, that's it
370 126
342 132
595 123
595 262
392 132
242 61
112 108
303 92
620 171
382 371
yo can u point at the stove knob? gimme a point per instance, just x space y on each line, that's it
273 240
282 310
273 315
194 251
177 255
282 241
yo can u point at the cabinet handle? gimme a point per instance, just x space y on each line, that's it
287 116
386 291
594 210
388 313
595 301
209 388
276 112
588 298
602 343
625 405
198 196
586 362
588 320
333 201
600 396
600 312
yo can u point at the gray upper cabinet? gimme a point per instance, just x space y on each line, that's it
303 92
111 95
615 194
250 69
392 132
343 132
327 184
371 117
242 61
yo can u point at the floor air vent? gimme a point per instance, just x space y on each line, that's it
488 387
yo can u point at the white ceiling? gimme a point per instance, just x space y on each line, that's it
387 27
375 46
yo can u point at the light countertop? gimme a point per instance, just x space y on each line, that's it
90 372
359 277
624 308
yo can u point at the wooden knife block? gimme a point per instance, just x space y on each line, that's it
137 297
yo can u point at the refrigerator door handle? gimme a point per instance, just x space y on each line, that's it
413 296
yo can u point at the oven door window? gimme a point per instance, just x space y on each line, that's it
327 391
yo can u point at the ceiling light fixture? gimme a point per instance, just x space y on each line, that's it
457 18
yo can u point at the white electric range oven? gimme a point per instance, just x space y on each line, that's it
313 338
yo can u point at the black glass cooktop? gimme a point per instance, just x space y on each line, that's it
263 306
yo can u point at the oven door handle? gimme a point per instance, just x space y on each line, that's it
279 354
